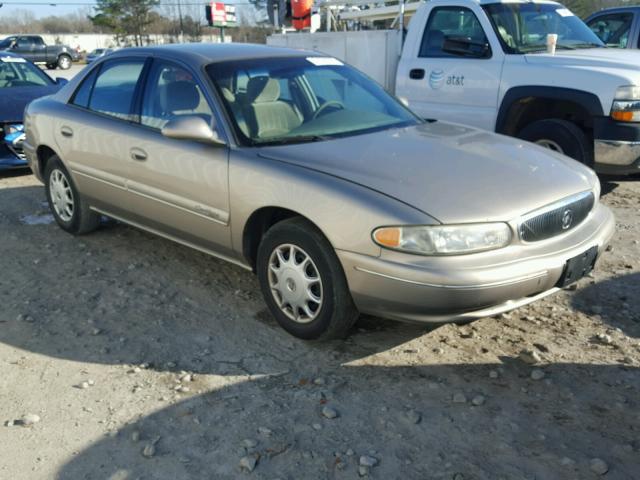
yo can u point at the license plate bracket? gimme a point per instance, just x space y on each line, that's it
578 266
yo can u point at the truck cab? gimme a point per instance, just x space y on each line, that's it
486 63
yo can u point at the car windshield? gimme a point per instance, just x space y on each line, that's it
523 27
17 72
303 99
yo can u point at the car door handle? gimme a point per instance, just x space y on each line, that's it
138 154
66 132
416 74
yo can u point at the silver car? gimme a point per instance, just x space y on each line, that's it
301 169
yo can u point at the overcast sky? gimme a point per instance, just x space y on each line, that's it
63 7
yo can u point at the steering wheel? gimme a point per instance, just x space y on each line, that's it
331 103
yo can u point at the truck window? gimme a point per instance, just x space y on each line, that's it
24 42
523 27
613 29
450 23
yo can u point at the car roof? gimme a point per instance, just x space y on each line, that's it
631 8
205 53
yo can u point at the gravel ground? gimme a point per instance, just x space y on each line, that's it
124 356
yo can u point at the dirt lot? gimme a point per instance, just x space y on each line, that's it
145 360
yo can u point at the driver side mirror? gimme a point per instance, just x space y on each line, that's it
61 81
191 127
466 47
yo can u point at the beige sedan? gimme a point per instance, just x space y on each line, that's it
301 169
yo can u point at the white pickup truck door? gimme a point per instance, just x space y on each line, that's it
451 66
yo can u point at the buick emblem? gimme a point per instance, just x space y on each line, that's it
567 218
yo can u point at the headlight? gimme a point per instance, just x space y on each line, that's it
596 190
626 104
444 239
13 129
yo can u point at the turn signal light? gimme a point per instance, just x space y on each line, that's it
622 116
388 237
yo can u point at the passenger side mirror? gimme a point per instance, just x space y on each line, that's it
61 81
466 47
191 127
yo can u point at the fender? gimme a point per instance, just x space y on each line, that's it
589 101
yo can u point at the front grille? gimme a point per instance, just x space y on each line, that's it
557 218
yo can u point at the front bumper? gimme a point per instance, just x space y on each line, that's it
441 289
616 146
11 154
617 156
9 161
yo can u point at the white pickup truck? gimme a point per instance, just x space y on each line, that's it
485 63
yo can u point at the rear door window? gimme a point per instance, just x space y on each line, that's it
83 94
115 88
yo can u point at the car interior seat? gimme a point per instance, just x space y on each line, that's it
181 97
266 114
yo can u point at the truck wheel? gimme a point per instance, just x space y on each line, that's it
64 62
303 283
70 210
52 66
560 136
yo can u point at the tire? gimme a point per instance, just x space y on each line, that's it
70 210
64 62
336 313
562 136
52 66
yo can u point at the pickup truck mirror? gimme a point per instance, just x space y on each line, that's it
466 47
191 127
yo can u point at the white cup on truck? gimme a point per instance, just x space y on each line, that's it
552 40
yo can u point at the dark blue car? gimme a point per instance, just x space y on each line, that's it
20 83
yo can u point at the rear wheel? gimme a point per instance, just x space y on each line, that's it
303 283
64 62
560 136
70 210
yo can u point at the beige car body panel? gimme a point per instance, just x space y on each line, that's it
203 195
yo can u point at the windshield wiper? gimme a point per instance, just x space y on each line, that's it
589 45
291 140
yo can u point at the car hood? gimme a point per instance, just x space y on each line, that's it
454 173
13 101
590 57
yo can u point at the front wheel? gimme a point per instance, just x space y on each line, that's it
70 210
303 283
560 136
